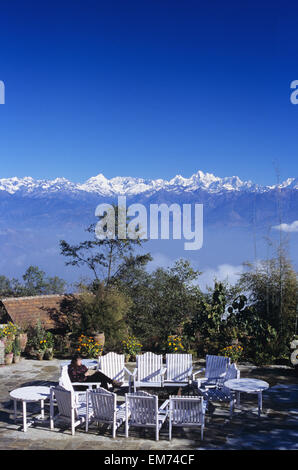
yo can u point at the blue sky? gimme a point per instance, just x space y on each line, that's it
150 88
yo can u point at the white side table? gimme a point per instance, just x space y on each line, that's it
27 395
254 386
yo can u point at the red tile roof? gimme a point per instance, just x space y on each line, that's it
26 311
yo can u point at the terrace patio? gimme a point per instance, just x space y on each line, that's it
277 428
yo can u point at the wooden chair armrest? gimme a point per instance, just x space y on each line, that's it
121 407
164 405
128 371
198 372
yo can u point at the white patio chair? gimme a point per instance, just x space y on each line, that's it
113 366
215 371
149 371
104 409
65 382
179 370
70 408
186 412
141 410
220 393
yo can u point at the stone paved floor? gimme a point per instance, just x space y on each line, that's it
276 429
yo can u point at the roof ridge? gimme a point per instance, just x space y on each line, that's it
37 296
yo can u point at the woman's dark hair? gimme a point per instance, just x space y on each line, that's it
74 360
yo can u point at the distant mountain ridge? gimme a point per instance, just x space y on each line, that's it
36 214
131 186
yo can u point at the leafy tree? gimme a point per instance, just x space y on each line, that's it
107 258
105 310
255 334
204 328
6 288
272 288
36 283
162 302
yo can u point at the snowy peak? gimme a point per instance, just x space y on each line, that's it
29 185
130 186
291 183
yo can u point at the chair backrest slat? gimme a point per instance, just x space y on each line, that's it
186 410
178 366
143 408
216 365
64 380
65 401
112 365
149 366
232 372
103 404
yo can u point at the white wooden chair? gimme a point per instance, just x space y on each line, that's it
70 408
104 409
141 410
215 371
186 412
149 371
179 370
220 393
65 382
113 366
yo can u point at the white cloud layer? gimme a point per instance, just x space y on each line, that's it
293 227
223 272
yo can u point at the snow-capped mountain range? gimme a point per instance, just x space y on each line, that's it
102 186
36 214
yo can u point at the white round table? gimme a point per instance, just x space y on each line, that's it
27 395
248 386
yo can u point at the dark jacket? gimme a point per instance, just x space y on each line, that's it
77 374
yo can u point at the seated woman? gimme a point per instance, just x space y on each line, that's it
79 373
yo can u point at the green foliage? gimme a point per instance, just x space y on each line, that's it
35 282
131 346
16 348
105 310
88 347
175 345
49 340
37 337
8 347
272 288
215 326
234 352
162 302
204 328
106 258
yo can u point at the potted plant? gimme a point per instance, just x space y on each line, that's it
49 346
40 354
8 353
36 340
234 352
41 349
99 338
88 347
16 349
8 332
23 338
175 344
131 348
